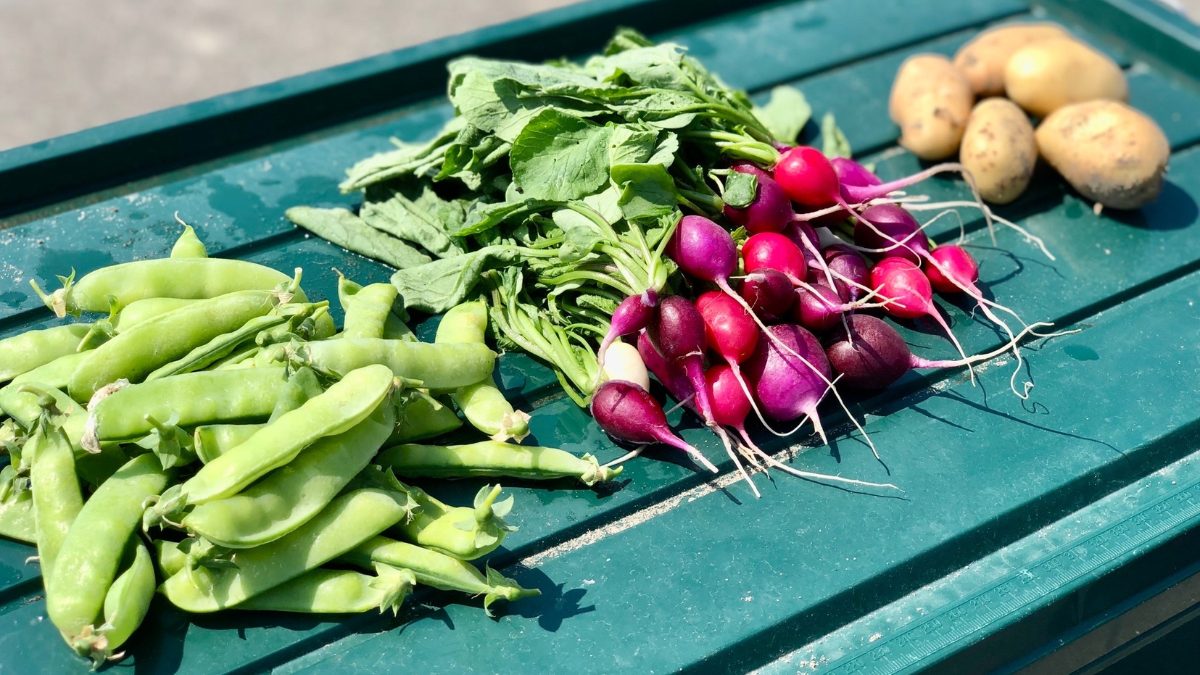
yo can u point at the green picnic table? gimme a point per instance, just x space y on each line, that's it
1057 533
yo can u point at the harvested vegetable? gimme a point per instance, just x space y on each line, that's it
1050 74
931 101
999 150
983 59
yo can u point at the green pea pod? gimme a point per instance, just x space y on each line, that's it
171 557
218 347
346 522
394 327
188 245
437 367
336 410
91 554
482 403
23 406
493 459
367 310
438 570
95 468
17 519
302 385
462 532
420 417
289 496
139 311
330 591
135 353
204 397
23 352
185 278
57 498
125 606
213 440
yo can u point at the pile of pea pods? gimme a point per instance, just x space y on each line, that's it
215 439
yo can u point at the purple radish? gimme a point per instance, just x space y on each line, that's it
851 272
769 212
629 413
887 229
678 332
769 293
851 173
672 379
788 387
819 307
632 315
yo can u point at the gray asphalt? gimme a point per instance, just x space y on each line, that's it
67 65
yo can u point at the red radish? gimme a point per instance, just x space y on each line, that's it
769 212
903 282
955 271
806 175
678 332
728 328
772 250
769 293
631 315
629 413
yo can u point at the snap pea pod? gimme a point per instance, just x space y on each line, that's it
135 353
203 397
186 278
367 309
188 245
462 532
95 468
437 367
218 347
213 440
289 496
16 516
493 459
242 357
23 352
349 520
171 558
330 591
125 606
302 385
394 327
419 417
336 410
481 402
91 554
57 499
148 308
22 406
438 570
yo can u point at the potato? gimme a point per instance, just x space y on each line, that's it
998 149
982 60
931 102
1047 75
1107 151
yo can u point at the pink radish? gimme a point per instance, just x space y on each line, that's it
629 413
775 251
903 282
728 328
807 177
631 315
955 271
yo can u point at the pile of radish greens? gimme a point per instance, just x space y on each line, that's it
632 213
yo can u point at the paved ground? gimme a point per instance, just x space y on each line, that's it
67 65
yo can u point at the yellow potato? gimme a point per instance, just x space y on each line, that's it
931 102
998 150
1107 151
1047 75
982 60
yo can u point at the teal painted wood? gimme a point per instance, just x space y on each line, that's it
236 201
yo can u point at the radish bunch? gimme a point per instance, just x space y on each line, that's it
776 325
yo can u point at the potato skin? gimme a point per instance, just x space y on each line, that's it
1049 74
1107 151
983 59
931 102
999 150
